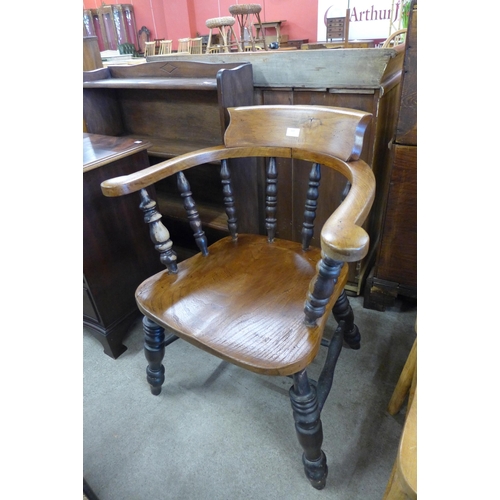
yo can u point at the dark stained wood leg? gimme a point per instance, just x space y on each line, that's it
322 289
154 350
342 311
309 429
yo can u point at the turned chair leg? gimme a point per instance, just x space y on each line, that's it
342 311
306 414
154 350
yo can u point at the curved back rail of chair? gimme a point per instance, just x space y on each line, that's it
262 302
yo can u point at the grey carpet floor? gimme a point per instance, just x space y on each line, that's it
218 432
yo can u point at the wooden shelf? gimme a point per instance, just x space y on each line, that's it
153 83
177 107
211 216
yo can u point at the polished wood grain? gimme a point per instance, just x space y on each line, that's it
230 303
307 126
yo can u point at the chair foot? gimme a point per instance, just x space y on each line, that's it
342 311
309 429
154 350
316 472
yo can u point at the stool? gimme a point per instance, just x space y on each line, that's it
165 47
245 14
225 26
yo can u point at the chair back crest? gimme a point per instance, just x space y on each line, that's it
299 126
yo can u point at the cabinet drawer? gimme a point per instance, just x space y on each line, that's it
335 33
335 22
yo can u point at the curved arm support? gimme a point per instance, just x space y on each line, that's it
136 181
342 237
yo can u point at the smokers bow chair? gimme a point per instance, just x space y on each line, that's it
259 301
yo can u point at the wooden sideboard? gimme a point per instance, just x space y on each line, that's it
395 270
117 252
364 79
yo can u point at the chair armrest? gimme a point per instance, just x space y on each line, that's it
342 237
136 181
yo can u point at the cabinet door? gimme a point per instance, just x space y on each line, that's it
397 260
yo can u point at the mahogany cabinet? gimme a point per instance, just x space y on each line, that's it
117 252
395 270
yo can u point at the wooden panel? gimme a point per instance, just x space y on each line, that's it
316 68
91 55
114 235
406 132
173 116
101 112
398 253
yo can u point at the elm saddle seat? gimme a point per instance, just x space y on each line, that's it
261 302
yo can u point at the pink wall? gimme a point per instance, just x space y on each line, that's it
174 19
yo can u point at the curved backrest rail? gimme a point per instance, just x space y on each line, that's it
336 131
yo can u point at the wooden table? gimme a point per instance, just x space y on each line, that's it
117 251
270 24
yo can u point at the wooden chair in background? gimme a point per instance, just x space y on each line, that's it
184 46
197 45
165 47
396 38
150 48
224 25
259 301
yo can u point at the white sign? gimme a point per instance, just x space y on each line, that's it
369 19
